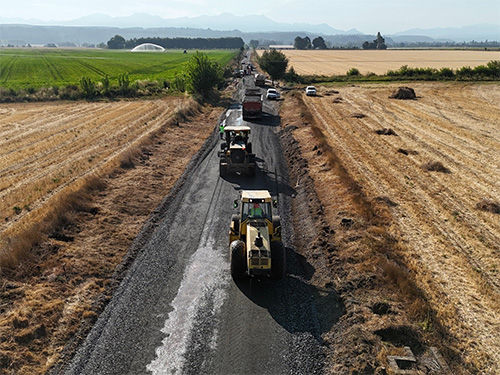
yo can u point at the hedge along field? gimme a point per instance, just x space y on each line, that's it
45 67
338 62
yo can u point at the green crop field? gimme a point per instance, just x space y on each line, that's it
30 67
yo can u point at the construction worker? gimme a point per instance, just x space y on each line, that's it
256 210
221 130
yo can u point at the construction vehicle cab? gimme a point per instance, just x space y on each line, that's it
236 151
255 237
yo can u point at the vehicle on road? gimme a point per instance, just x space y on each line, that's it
255 237
236 151
260 80
252 104
310 90
272 94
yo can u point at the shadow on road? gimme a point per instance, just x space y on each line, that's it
293 302
268 119
263 179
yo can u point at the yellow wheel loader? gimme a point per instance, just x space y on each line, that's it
255 237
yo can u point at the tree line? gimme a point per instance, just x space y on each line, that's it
118 42
319 43
306 43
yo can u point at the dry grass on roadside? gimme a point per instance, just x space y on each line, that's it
372 259
380 246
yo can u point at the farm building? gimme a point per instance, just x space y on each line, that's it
148 47
281 46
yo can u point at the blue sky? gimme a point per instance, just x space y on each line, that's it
364 15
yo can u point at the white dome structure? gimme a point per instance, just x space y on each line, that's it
148 47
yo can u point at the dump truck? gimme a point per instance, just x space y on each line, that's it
236 154
255 242
252 104
260 80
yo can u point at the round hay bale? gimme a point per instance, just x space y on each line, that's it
404 93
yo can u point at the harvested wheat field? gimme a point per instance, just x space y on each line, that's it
338 62
435 162
134 153
49 148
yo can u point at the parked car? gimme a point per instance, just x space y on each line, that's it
310 90
272 94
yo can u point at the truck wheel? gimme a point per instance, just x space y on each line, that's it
222 170
236 220
278 261
238 260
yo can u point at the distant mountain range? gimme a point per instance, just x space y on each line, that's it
222 22
480 32
99 28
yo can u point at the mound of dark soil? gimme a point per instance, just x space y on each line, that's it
435 166
489 206
403 93
385 131
407 152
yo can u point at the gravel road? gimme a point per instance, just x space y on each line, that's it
179 312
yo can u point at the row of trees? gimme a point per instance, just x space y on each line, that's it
119 42
378 43
275 64
305 43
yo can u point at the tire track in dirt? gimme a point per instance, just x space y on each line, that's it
7 68
454 246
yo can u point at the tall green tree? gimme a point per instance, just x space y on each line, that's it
253 43
380 42
319 43
116 42
203 75
302 43
274 63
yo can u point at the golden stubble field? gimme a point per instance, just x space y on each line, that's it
48 148
117 161
453 246
338 62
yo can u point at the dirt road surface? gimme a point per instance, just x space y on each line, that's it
453 247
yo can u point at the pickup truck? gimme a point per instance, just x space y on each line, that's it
272 94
